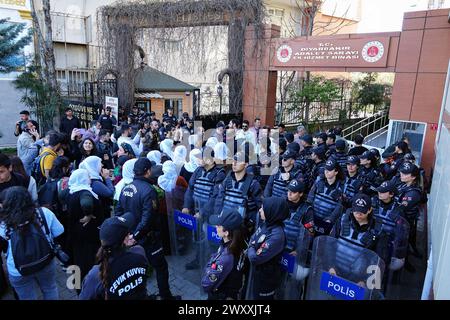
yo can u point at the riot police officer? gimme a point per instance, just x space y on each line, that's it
240 191
222 277
133 119
140 199
369 173
352 183
358 226
326 198
107 120
386 210
340 156
301 213
199 197
410 201
304 160
318 156
266 248
277 184
169 117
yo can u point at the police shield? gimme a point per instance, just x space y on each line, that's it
185 238
296 267
399 244
343 271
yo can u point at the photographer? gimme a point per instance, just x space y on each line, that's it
22 123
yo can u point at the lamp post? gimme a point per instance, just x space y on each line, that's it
219 92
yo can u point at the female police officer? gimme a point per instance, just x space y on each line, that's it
122 270
222 277
266 248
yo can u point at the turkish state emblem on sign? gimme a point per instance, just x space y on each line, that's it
284 53
373 51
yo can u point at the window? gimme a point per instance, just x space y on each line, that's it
415 131
176 104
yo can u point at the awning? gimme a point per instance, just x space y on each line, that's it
148 96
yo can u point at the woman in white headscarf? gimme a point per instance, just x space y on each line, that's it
127 177
189 168
100 181
154 156
169 178
166 147
84 217
211 142
179 157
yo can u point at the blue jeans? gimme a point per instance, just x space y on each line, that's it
45 280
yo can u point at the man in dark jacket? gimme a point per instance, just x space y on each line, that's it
69 122
107 120
140 199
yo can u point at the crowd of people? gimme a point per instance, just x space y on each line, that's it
97 197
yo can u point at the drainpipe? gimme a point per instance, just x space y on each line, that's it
428 282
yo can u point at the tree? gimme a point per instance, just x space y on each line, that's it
11 44
38 96
46 67
367 92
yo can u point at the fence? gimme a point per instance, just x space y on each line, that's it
292 113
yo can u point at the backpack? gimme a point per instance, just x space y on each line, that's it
30 247
48 195
37 169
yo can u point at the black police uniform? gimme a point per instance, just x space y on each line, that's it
140 199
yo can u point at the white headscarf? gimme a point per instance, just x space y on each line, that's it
93 165
193 160
221 151
193 139
169 178
212 142
79 180
166 146
179 157
154 156
127 177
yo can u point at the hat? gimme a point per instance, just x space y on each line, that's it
114 230
220 124
296 186
386 186
331 164
294 147
319 151
409 168
353 160
230 219
367 155
361 203
409 157
141 166
307 138
289 154
322 135
375 152
340 144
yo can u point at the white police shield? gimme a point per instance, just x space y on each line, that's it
344 271
296 267
185 238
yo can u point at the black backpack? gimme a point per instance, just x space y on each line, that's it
48 195
30 247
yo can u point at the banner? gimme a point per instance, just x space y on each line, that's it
86 112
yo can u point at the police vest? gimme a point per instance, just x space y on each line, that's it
106 122
279 188
236 195
341 159
326 199
204 186
351 186
386 215
349 233
293 225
